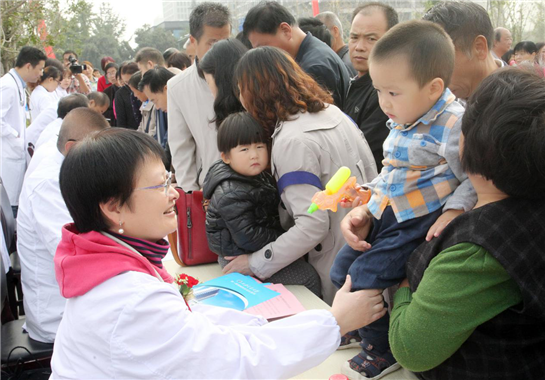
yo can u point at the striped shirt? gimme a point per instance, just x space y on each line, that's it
422 170
153 252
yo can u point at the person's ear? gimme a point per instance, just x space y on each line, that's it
225 158
69 145
165 89
336 32
92 103
192 39
150 65
285 29
436 88
111 211
480 47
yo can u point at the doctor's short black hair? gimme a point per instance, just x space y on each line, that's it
29 54
504 133
103 167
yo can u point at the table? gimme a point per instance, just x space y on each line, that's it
331 365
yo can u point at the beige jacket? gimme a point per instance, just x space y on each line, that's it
191 132
318 143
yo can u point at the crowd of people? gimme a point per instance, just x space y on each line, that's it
439 118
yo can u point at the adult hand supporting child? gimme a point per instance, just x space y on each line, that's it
238 264
356 226
353 310
441 222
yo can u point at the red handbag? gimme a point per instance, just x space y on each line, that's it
192 243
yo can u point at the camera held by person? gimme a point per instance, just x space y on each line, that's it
75 67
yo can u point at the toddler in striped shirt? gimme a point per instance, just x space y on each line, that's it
421 187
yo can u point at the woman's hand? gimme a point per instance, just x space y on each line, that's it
441 223
357 309
356 226
239 264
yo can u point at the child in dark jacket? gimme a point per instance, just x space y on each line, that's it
242 215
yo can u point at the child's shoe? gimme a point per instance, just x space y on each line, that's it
350 340
370 364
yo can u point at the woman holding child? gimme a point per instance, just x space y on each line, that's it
311 139
125 319
242 216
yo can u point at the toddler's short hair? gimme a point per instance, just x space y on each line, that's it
426 46
239 129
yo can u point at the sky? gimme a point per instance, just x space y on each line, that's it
135 12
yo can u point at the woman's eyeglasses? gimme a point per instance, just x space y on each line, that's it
166 185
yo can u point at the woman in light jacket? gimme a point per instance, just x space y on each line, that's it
125 319
311 139
44 94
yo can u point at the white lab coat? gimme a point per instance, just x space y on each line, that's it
46 149
50 132
38 125
40 99
12 129
135 326
42 213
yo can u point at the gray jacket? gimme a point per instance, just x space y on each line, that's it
316 143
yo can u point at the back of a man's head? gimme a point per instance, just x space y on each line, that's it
99 98
330 20
29 54
78 124
266 17
368 9
317 28
215 15
463 22
70 102
150 54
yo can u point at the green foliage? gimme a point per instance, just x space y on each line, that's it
74 26
158 38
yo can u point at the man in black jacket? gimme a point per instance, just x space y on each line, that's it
369 23
271 24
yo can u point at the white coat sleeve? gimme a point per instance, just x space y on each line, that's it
156 330
7 95
309 229
50 213
181 141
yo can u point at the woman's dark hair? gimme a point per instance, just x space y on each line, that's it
103 167
135 79
109 66
51 72
54 62
239 129
527 46
316 28
244 39
220 62
129 68
275 88
507 56
179 60
504 130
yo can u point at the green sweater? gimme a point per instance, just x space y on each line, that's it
463 287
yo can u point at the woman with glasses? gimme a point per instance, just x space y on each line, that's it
44 93
125 319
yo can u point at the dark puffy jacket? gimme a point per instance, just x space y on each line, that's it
242 216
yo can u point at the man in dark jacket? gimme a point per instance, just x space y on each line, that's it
369 23
271 24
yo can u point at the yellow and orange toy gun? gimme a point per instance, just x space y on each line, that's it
340 188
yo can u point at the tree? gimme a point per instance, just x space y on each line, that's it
107 29
158 38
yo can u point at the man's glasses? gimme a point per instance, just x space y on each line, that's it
166 185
